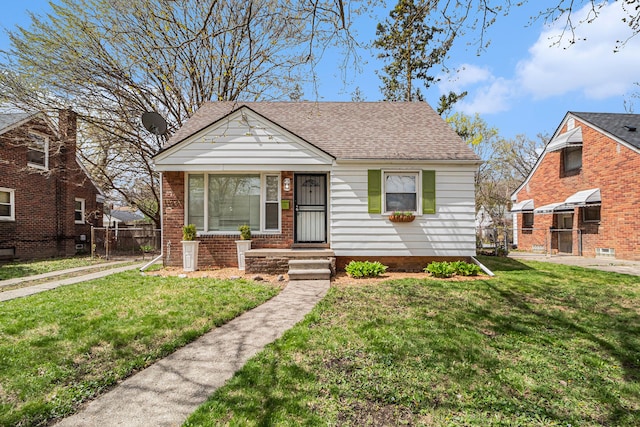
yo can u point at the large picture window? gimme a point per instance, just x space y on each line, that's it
223 202
7 204
38 151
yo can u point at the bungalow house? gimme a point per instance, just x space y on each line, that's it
319 178
47 200
582 196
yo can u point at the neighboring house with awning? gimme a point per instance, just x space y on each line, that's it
582 195
320 176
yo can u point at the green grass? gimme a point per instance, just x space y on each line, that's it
538 345
62 347
29 268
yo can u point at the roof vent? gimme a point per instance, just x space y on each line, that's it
630 128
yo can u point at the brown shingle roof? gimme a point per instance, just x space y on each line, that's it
351 130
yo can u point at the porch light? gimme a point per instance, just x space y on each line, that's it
286 184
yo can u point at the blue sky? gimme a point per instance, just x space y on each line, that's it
520 84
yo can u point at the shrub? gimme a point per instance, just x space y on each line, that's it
189 232
446 269
440 269
245 232
466 268
365 269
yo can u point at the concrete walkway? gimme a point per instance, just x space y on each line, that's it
604 264
166 393
30 290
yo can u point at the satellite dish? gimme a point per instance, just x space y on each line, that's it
154 123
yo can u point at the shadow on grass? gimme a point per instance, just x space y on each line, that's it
623 345
495 263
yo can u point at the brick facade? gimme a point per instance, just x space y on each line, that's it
607 164
44 224
218 250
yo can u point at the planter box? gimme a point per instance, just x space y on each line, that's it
190 255
401 218
242 246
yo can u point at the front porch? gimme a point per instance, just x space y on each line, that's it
276 261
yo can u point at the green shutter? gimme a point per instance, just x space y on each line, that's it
428 192
375 190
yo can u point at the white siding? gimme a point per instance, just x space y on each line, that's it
236 144
448 232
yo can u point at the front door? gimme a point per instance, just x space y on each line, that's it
311 208
565 235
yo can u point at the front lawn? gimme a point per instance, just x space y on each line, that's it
62 347
538 345
29 268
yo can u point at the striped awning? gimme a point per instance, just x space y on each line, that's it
572 138
553 208
525 205
585 198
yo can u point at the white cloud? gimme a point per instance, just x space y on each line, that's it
463 76
589 66
493 98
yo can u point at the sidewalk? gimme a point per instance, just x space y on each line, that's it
167 392
30 290
604 264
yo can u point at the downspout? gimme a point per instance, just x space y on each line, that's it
482 266
153 261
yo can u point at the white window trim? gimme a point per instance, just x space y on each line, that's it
418 174
263 198
12 204
82 201
46 152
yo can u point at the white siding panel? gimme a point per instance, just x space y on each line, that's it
240 146
449 232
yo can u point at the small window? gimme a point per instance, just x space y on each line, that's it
401 191
79 211
591 214
7 204
572 159
38 151
527 219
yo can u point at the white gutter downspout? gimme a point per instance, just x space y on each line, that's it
153 261
485 269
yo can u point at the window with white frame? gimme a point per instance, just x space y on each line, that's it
401 191
7 204
79 211
38 151
223 202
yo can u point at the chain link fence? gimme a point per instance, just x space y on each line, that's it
547 241
111 242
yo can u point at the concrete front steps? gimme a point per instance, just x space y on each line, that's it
309 269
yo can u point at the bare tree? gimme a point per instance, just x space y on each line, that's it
113 60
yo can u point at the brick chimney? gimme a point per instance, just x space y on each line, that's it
68 127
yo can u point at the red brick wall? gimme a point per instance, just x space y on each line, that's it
214 250
44 223
607 165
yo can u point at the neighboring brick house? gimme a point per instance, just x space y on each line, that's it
582 196
47 200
